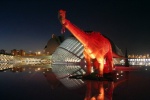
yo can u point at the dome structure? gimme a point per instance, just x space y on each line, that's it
53 43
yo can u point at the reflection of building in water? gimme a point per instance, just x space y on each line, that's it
31 68
62 72
5 66
18 69
71 50
6 58
94 89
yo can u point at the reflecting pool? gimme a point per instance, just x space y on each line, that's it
52 82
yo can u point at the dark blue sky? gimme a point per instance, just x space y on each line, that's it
29 24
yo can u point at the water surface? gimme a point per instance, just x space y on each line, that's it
39 82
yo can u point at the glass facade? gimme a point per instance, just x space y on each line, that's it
70 51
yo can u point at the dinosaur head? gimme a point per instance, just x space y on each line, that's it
62 16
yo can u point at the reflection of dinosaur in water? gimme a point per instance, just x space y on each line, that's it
102 90
97 48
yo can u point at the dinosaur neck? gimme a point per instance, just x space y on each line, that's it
77 32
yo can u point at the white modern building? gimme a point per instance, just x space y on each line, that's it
71 51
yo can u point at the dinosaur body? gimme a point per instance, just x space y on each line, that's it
97 48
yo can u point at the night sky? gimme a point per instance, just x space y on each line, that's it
29 24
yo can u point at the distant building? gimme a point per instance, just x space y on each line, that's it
2 51
21 53
142 60
15 52
53 43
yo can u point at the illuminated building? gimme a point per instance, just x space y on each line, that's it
15 52
143 60
71 51
21 52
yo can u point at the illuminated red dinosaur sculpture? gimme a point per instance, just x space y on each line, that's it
96 46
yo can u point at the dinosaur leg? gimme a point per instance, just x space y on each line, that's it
101 67
88 63
106 67
96 65
110 61
109 64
